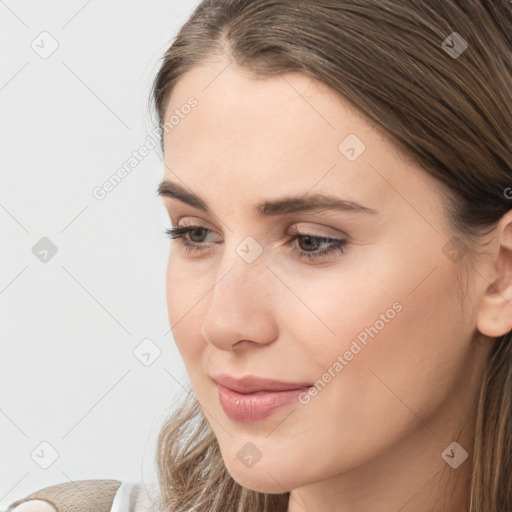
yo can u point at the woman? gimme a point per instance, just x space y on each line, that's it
338 175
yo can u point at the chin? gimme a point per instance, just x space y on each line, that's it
259 478
260 483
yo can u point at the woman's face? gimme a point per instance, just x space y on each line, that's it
377 323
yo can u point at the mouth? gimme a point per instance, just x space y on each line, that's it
253 384
253 399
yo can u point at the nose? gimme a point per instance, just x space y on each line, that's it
239 308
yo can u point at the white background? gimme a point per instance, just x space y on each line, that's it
69 326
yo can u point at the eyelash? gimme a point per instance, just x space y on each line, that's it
337 245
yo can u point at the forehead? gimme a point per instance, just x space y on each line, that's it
272 110
287 131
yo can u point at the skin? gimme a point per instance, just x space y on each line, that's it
372 438
35 506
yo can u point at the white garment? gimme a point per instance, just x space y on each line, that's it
126 497
132 497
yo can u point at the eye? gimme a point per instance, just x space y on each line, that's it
312 242
181 232
333 245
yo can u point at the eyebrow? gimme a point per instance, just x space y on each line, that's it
309 202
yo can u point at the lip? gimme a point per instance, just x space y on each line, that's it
252 399
252 384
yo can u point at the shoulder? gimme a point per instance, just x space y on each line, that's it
87 496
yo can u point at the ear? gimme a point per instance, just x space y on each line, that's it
494 317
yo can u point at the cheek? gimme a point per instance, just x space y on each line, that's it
334 311
402 355
184 291
396 349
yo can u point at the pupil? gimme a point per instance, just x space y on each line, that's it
308 240
195 232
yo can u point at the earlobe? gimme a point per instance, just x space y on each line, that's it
494 316
494 327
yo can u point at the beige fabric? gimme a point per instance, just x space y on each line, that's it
80 496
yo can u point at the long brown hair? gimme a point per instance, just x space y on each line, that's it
451 112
